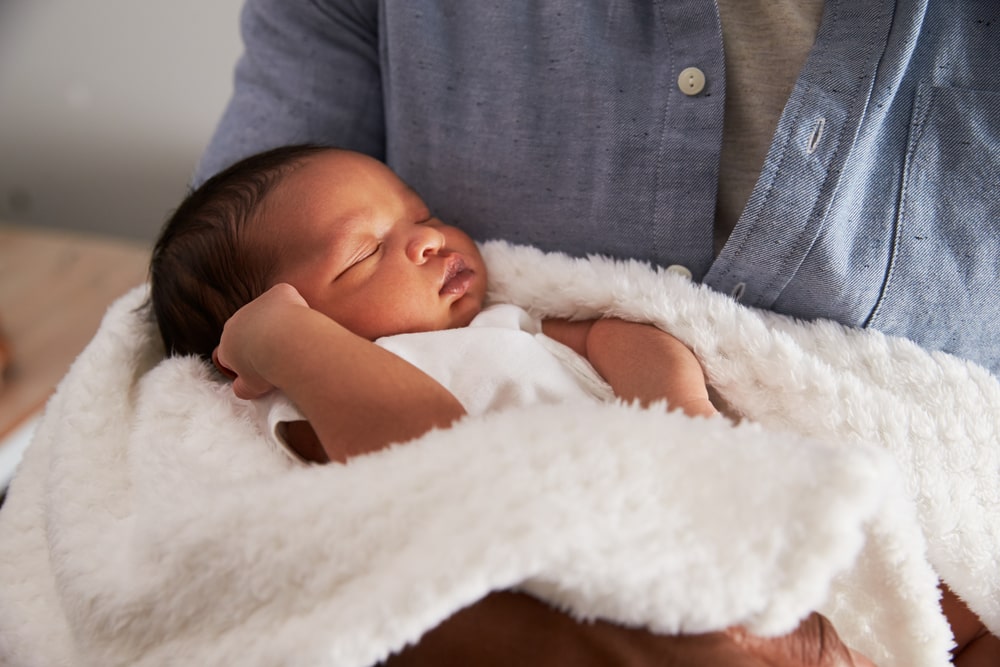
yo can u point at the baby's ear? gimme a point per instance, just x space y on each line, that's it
225 370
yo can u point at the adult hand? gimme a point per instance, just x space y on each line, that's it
814 643
507 628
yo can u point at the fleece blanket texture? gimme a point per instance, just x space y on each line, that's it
150 523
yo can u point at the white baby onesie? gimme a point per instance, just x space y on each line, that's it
501 360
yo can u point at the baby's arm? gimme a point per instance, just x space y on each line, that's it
357 397
639 361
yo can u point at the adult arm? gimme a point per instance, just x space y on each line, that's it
357 397
507 628
309 72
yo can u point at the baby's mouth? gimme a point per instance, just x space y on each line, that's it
457 276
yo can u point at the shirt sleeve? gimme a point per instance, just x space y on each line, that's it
273 411
309 72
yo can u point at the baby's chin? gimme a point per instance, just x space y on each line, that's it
464 311
457 318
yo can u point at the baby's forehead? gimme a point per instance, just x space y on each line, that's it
334 192
344 167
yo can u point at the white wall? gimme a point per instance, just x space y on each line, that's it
106 105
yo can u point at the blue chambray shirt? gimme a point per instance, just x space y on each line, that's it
560 124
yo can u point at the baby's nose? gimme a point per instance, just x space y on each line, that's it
424 242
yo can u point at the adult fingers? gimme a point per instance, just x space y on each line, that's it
814 643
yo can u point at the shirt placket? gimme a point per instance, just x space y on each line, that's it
817 128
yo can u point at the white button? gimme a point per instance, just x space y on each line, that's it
682 271
691 81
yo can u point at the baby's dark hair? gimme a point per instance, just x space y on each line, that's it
211 259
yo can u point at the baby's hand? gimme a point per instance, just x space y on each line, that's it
253 336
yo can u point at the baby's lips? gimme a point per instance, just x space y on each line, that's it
454 265
458 276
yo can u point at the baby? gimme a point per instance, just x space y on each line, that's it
285 267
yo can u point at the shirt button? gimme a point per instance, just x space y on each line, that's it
691 81
682 271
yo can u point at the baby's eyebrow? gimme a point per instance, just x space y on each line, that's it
351 220
337 244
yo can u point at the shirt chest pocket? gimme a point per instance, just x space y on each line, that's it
943 283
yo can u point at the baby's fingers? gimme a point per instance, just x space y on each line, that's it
250 390
221 367
284 292
245 388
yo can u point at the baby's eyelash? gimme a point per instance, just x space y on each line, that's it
366 255
360 259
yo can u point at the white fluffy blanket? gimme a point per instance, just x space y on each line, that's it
150 524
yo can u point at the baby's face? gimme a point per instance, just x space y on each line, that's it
362 248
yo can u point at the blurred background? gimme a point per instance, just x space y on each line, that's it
105 108
106 105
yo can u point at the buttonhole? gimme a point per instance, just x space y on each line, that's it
738 291
815 136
